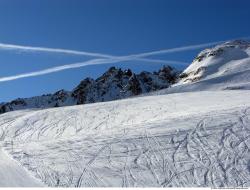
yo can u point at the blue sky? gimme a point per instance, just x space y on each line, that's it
116 27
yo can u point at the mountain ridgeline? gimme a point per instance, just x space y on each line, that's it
112 85
223 67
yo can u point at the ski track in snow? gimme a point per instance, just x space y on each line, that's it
143 142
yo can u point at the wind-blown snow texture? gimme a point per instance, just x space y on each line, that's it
185 139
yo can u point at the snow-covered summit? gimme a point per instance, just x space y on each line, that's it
222 60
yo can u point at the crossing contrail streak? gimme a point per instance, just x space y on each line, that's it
4 46
105 58
66 51
55 69
159 61
172 50
71 66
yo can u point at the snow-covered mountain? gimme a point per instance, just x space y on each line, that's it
225 66
228 59
112 85
198 138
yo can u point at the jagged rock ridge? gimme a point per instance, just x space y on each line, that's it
112 85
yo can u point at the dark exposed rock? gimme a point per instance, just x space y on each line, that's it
18 101
60 95
128 72
183 75
80 92
199 70
113 84
134 85
2 109
168 73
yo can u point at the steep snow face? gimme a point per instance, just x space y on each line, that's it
223 61
112 85
176 140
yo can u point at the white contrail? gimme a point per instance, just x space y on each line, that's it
67 51
107 58
55 69
4 46
172 50
156 61
72 66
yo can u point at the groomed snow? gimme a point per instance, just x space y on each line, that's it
185 139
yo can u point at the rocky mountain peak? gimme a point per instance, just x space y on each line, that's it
114 84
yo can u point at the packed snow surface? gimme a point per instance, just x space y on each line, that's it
185 139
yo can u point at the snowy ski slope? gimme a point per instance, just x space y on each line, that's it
185 139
